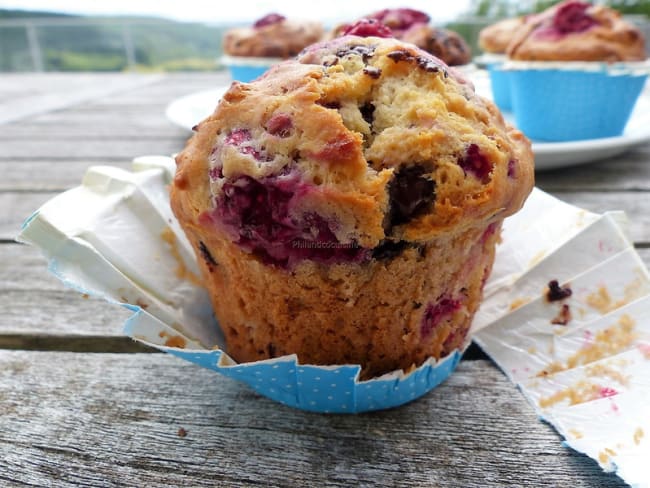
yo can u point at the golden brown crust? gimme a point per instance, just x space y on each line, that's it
609 38
382 315
329 150
496 37
442 43
282 39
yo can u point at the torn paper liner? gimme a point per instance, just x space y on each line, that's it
581 360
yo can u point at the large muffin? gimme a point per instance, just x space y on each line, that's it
577 31
345 206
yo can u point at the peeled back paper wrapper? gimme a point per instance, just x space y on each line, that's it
566 313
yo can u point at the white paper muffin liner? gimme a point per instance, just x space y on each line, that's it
116 237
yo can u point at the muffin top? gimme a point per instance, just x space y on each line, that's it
359 141
496 37
577 31
272 36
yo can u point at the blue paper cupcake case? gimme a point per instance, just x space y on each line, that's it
559 104
500 83
247 69
324 389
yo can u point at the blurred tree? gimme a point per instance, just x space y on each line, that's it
507 8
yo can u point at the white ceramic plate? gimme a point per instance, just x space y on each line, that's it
191 109
549 155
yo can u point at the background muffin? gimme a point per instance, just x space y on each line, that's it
414 26
272 36
495 37
345 206
578 31
250 51
577 72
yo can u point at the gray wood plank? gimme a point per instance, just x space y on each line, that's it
153 420
51 176
76 149
627 172
25 97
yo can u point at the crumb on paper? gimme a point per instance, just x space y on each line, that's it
518 302
581 392
182 432
85 295
531 350
638 435
605 455
142 304
563 317
605 371
552 368
576 434
182 272
537 258
602 301
555 292
173 340
608 342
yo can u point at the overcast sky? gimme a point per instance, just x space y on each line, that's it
216 11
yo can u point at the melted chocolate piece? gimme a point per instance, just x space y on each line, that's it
411 193
367 112
388 249
556 292
366 52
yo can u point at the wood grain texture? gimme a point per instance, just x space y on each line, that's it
627 172
86 417
115 420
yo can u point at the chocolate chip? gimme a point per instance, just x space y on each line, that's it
411 193
556 292
366 52
426 63
367 112
388 249
371 71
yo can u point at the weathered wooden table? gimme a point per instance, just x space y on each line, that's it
80 404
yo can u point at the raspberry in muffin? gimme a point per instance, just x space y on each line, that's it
578 31
345 206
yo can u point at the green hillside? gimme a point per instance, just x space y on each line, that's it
74 43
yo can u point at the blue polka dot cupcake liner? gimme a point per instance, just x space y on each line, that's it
246 69
571 101
316 388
